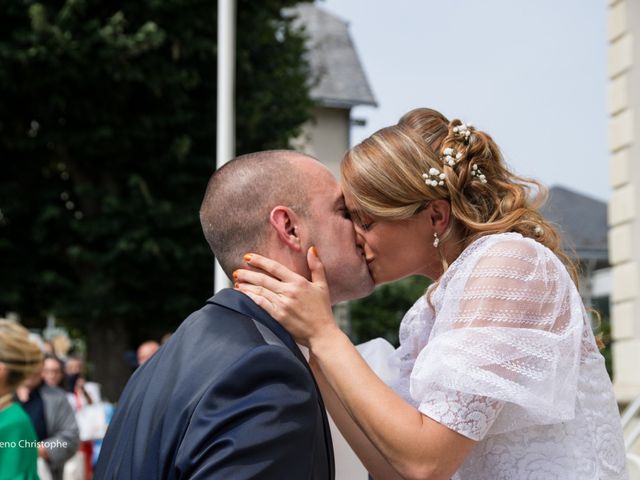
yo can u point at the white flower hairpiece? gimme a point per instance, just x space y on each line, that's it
450 156
463 130
434 177
476 172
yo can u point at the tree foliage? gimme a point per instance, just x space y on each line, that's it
379 315
107 140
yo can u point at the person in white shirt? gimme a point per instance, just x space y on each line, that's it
498 374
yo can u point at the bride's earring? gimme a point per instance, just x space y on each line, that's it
436 240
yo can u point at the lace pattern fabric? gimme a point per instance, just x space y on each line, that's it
506 357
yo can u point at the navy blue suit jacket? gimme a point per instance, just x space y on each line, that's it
229 396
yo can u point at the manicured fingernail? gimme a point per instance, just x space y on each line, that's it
236 285
314 251
247 257
235 275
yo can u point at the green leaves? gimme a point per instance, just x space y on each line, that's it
122 94
379 315
147 37
38 16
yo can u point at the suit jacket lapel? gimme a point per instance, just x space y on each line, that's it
234 300
239 302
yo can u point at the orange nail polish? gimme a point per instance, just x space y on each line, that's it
236 285
235 275
314 251
247 257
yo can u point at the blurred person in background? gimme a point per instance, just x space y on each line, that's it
53 420
84 392
48 348
86 400
19 359
53 371
146 350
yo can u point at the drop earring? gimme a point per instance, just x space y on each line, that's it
436 240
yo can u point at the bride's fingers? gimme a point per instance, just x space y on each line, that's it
257 278
273 268
262 296
266 305
316 266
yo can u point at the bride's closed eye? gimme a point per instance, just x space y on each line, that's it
361 220
366 226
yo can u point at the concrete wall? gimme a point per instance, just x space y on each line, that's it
624 206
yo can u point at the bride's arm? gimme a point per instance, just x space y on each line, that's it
368 454
415 445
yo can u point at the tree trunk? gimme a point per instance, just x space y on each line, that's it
108 343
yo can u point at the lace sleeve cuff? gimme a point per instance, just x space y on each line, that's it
468 415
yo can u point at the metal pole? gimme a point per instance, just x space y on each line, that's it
226 94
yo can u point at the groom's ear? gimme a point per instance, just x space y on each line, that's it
285 223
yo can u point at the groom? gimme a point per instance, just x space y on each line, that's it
230 395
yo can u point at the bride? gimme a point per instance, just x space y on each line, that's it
498 373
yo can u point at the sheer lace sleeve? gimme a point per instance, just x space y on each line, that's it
414 333
504 350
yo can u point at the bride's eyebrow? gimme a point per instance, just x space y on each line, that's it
357 215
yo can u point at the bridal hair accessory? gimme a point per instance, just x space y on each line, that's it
450 156
463 131
434 177
538 231
436 240
476 172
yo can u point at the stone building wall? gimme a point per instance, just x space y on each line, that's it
624 206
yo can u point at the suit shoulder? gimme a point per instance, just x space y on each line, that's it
265 374
214 319
209 342
277 359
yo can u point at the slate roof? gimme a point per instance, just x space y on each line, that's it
582 221
338 77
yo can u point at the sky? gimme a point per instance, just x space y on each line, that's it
532 74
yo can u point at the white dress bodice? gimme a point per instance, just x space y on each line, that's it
501 351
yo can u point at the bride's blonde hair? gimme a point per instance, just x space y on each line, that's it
384 176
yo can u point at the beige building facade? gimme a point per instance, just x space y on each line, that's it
624 207
326 136
338 83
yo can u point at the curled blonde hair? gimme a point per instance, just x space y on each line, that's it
18 353
383 175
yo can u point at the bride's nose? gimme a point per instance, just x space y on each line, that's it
361 243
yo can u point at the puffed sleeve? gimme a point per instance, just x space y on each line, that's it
256 427
505 347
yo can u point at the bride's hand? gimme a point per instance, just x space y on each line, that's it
301 306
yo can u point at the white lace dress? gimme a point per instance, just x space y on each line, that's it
507 358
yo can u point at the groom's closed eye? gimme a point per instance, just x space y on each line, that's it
345 213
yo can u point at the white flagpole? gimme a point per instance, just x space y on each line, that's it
226 94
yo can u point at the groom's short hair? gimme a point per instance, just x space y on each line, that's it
239 198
